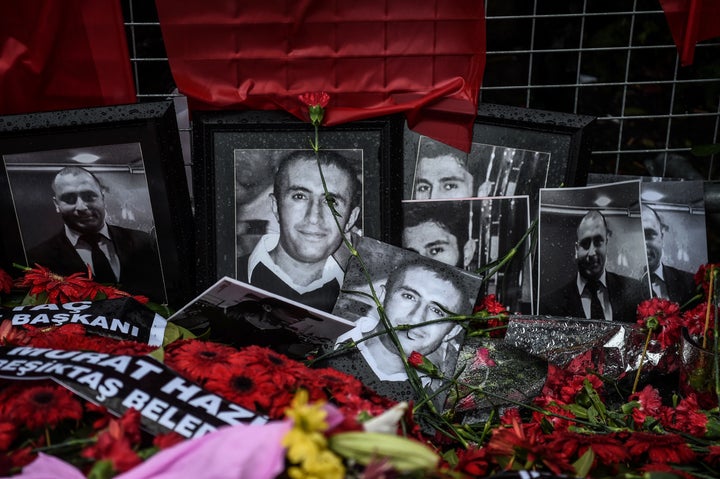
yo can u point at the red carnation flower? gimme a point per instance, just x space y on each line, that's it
650 404
525 444
199 360
8 433
703 276
686 417
10 335
694 319
415 359
659 448
111 292
317 98
164 441
490 304
6 282
473 461
713 456
45 405
663 317
115 446
608 449
482 359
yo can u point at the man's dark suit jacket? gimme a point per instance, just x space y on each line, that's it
140 271
625 295
680 284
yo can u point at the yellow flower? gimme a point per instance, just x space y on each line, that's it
301 445
306 443
307 417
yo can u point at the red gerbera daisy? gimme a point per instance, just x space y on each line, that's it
59 289
251 388
284 370
45 405
199 360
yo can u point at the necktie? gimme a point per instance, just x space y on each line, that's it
596 310
102 272
658 286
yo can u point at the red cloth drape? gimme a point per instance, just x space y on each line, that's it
691 21
63 54
374 57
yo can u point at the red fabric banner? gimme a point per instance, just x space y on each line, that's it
60 55
691 21
373 57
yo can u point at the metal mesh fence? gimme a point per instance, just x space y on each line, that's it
612 59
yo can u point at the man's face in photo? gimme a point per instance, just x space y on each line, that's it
431 240
80 202
442 177
591 247
308 232
653 239
415 299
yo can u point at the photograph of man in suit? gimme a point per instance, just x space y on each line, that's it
117 255
298 263
594 293
439 230
667 282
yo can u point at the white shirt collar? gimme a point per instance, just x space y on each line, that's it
261 254
74 236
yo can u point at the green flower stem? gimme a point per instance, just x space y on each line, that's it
716 357
491 269
411 373
710 301
642 360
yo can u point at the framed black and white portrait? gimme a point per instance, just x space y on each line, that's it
99 188
238 156
514 151
476 235
591 257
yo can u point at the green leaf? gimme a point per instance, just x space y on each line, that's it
173 332
102 470
584 463
660 475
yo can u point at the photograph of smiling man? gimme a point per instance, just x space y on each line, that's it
298 262
592 245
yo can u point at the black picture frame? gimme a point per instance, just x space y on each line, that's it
217 135
35 146
563 136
